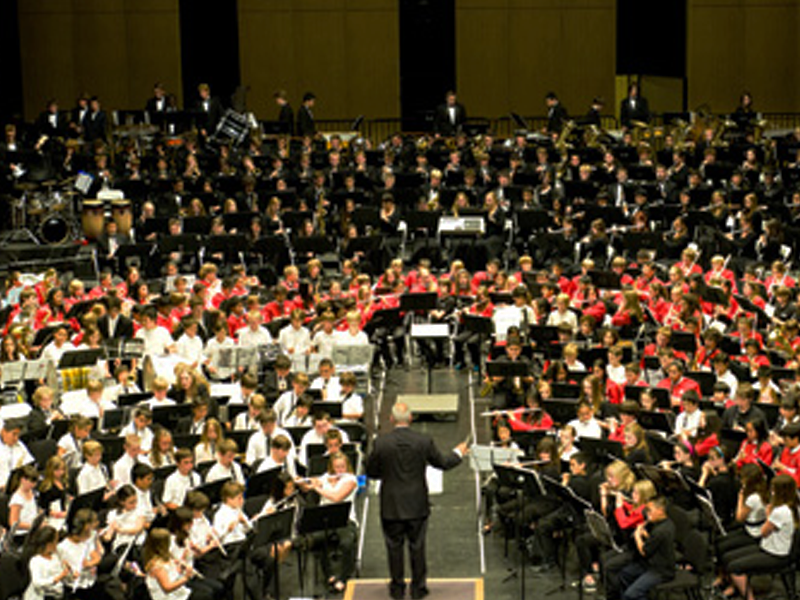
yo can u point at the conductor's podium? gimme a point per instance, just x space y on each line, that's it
440 589
431 404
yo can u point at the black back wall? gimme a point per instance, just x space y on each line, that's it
10 61
648 48
209 48
427 58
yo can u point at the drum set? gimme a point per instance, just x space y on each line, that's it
49 212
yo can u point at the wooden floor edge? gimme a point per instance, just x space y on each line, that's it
478 581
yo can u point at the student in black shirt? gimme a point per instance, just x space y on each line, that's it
655 563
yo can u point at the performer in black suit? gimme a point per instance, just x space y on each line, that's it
209 110
157 105
399 459
305 117
556 114
286 115
634 107
114 325
51 122
77 116
450 116
95 124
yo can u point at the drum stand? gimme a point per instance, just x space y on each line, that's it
19 232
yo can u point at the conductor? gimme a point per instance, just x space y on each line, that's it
399 459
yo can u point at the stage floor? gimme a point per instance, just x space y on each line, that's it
440 589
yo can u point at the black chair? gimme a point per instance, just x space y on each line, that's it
42 451
688 581
786 570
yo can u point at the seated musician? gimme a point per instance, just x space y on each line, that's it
509 392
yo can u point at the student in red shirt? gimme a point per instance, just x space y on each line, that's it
677 384
788 463
756 446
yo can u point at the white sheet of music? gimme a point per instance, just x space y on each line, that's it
429 330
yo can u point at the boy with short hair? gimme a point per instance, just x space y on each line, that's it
248 420
93 474
226 466
140 427
125 463
352 402
13 453
182 480
70 444
159 387
286 402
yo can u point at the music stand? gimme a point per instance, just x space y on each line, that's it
262 483
322 519
272 529
603 450
424 301
666 481
213 490
658 421
600 530
75 359
92 500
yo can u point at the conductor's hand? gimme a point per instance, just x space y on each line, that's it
462 449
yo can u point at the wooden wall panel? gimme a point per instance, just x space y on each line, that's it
116 49
345 51
526 48
736 45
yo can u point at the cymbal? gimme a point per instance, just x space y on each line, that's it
729 123
640 124
49 183
69 193
26 187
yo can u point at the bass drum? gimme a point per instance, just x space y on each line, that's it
54 229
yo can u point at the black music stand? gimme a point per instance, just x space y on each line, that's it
424 301
261 484
92 500
213 490
579 505
75 359
526 483
324 519
604 451
270 530
658 421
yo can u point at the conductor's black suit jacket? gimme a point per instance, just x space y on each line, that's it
399 460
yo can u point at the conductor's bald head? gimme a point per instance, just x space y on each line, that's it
401 414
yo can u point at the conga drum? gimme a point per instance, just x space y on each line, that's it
92 218
123 215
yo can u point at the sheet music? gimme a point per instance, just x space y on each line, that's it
483 457
430 330
13 371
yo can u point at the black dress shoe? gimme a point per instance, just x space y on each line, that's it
420 593
397 593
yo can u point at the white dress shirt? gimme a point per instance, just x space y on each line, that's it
176 486
298 341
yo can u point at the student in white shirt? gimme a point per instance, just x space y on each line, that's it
22 507
230 523
125 523
181 481
615 369
13 453
125 384
248 420
93 474
254 334
190 346
206 449
142 477
562 314
245 390
90 404
165 578
352 403
352 336
60 344
46 569
324 339
295 340
259 444
689 420
327 381
157 340
339 485
285 403
721 363
586 426
70 444
160 387
140 427
317 435
226 466
212 353
777 533
126 462
301 414
82 551
280 448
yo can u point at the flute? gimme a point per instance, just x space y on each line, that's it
215 537
187 567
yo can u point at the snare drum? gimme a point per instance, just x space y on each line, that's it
92 218
54 229
123 215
